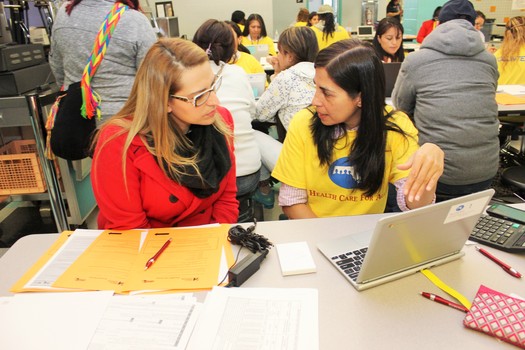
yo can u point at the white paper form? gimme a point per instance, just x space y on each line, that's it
258 318
75 245
512 89
58 321
147 322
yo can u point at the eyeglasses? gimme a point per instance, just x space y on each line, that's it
201 98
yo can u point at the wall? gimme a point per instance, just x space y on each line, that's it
193 13
284 14
278 14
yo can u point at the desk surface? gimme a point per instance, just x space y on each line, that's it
392 315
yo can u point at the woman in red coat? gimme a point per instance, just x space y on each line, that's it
428 26
166 159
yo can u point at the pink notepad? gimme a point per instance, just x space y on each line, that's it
499 315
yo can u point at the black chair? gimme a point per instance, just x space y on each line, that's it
249 209
514 177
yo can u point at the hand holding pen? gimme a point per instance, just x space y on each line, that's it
156 256
508 269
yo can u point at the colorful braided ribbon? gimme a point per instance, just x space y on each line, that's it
90 99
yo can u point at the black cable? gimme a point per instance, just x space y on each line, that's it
248 238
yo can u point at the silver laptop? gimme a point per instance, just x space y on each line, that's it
405 243
365 32
258 51
258 83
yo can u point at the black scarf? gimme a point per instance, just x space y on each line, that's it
213 161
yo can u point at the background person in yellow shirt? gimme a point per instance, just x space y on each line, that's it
339 156
511 54
242 56
327 30
238 18
255 33
302 18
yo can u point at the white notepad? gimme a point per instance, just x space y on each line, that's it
295 258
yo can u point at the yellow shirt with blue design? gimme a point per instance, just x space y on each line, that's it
332 189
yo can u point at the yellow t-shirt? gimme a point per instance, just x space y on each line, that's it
339 34
300 24
248 63
331 189
241 27
514 72
265 40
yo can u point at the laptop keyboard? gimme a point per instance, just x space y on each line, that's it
499 233
350 263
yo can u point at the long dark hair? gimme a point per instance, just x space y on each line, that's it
216 38
251 18
310 16
329 24
354 67
382 27
237 31
133 4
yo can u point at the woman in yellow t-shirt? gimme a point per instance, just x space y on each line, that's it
511 55
255 33
327 30
340 154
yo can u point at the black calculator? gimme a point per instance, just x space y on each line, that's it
499 233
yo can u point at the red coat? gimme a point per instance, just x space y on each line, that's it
154 199
426 28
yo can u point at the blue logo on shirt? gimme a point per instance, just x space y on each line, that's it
342 173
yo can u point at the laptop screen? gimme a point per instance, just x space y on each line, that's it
365 30
257 82
258 51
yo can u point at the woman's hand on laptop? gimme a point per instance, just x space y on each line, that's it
426 166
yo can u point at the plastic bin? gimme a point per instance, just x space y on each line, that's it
20 170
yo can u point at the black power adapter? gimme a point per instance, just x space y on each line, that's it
245 268
258 246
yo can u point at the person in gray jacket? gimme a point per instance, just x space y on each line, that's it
74 30
448 88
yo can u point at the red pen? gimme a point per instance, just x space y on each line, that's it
444 301
156 256
504 266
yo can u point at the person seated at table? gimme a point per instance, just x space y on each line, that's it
218 40
428 26
302 18
340 154
291 90
313 19
388 40
238 19
166 158
511 54
479 23
255 33
241 55
327 30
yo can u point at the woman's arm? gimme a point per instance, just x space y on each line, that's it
117 194
299 211
272 100
426 166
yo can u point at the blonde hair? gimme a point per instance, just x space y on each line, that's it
145 113
513 40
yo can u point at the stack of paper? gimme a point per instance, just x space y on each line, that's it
258 318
